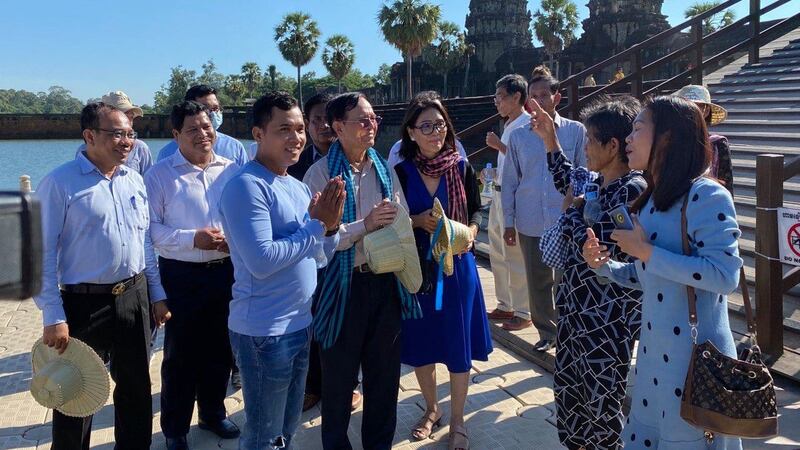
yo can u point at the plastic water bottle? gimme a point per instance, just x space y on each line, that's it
488 180
592 208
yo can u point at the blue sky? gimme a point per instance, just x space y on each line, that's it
92 47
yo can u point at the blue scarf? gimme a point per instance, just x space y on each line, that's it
335 288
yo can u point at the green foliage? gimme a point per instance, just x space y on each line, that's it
383 77
554 24
298 38
180 80
447 51
714 22
57 100
338 56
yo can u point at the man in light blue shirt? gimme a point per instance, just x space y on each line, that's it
197 274
531 203
225 146
139 159
276 233
97 269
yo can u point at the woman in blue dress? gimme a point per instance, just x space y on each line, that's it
670 141
459 332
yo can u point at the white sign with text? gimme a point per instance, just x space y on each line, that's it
789 235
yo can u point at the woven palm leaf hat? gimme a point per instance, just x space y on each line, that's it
699 94
453 239
75 383
393 249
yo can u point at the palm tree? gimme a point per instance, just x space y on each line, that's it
469 51
554 25
235 88
409 25
714 22
297 37
447 51
251 77
338 57
273 75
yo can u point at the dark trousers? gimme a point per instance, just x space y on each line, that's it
117 327
197 349
370 338
541 280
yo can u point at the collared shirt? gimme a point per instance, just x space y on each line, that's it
505 138
395 158
139 159
225 146
95 230
185 198
531 202
367 191
276 249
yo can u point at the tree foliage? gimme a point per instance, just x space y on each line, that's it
554 25
57 100
409 25
338 56
714 22
298 39
446 52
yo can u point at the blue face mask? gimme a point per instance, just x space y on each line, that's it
216 118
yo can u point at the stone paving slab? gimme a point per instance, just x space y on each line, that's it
510 405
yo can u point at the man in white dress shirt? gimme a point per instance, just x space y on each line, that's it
197 275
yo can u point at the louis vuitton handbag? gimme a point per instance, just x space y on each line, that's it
725 395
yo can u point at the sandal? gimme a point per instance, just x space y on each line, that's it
424 427
458 438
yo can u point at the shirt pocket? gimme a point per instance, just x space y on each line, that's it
136 208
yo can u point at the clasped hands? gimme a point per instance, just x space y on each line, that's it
633 242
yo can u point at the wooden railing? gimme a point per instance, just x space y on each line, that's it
771 283
699 62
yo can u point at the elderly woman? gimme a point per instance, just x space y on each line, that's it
459 332
597 321
670 142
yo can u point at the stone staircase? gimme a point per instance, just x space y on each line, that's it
763 103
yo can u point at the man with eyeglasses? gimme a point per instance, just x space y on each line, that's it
394 157
358 312
226 146
197 273
140 159
508 267
99 272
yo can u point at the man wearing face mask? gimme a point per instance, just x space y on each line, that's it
226 146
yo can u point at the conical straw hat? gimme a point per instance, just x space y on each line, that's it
454 238
699 94
75 383
393 249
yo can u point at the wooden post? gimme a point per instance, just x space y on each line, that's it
755 31
636 68
769 271
697 60
574 100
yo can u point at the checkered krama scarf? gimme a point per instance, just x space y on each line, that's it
446 163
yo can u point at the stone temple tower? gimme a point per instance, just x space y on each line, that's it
495 26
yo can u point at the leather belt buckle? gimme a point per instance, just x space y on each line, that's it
118 288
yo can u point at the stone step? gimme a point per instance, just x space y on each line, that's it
745 184
765 71
765 140
720 94
734 124
768 80
785 53
766 62
758 102
743 113
750 152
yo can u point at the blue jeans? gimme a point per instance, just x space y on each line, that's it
273 370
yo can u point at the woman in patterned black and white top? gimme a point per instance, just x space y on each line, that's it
597 321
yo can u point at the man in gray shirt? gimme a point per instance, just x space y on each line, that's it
531 202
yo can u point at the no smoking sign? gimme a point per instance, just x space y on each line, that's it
789 240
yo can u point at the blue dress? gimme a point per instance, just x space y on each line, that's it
665 343
459 333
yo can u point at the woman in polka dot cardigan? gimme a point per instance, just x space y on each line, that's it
670 142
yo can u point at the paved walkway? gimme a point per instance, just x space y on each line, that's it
510 405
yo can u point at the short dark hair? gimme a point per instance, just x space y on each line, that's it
338 107
318 99
512 84
199 91
611 119
262 108
184 109
542 73
409 148
680 153
90 114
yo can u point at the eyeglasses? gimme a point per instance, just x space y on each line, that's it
119 134
499 97
428 128
366 122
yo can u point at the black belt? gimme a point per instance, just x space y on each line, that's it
111 288
497 187
364 268
204 265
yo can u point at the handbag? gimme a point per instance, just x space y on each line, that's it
554 247
727 395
